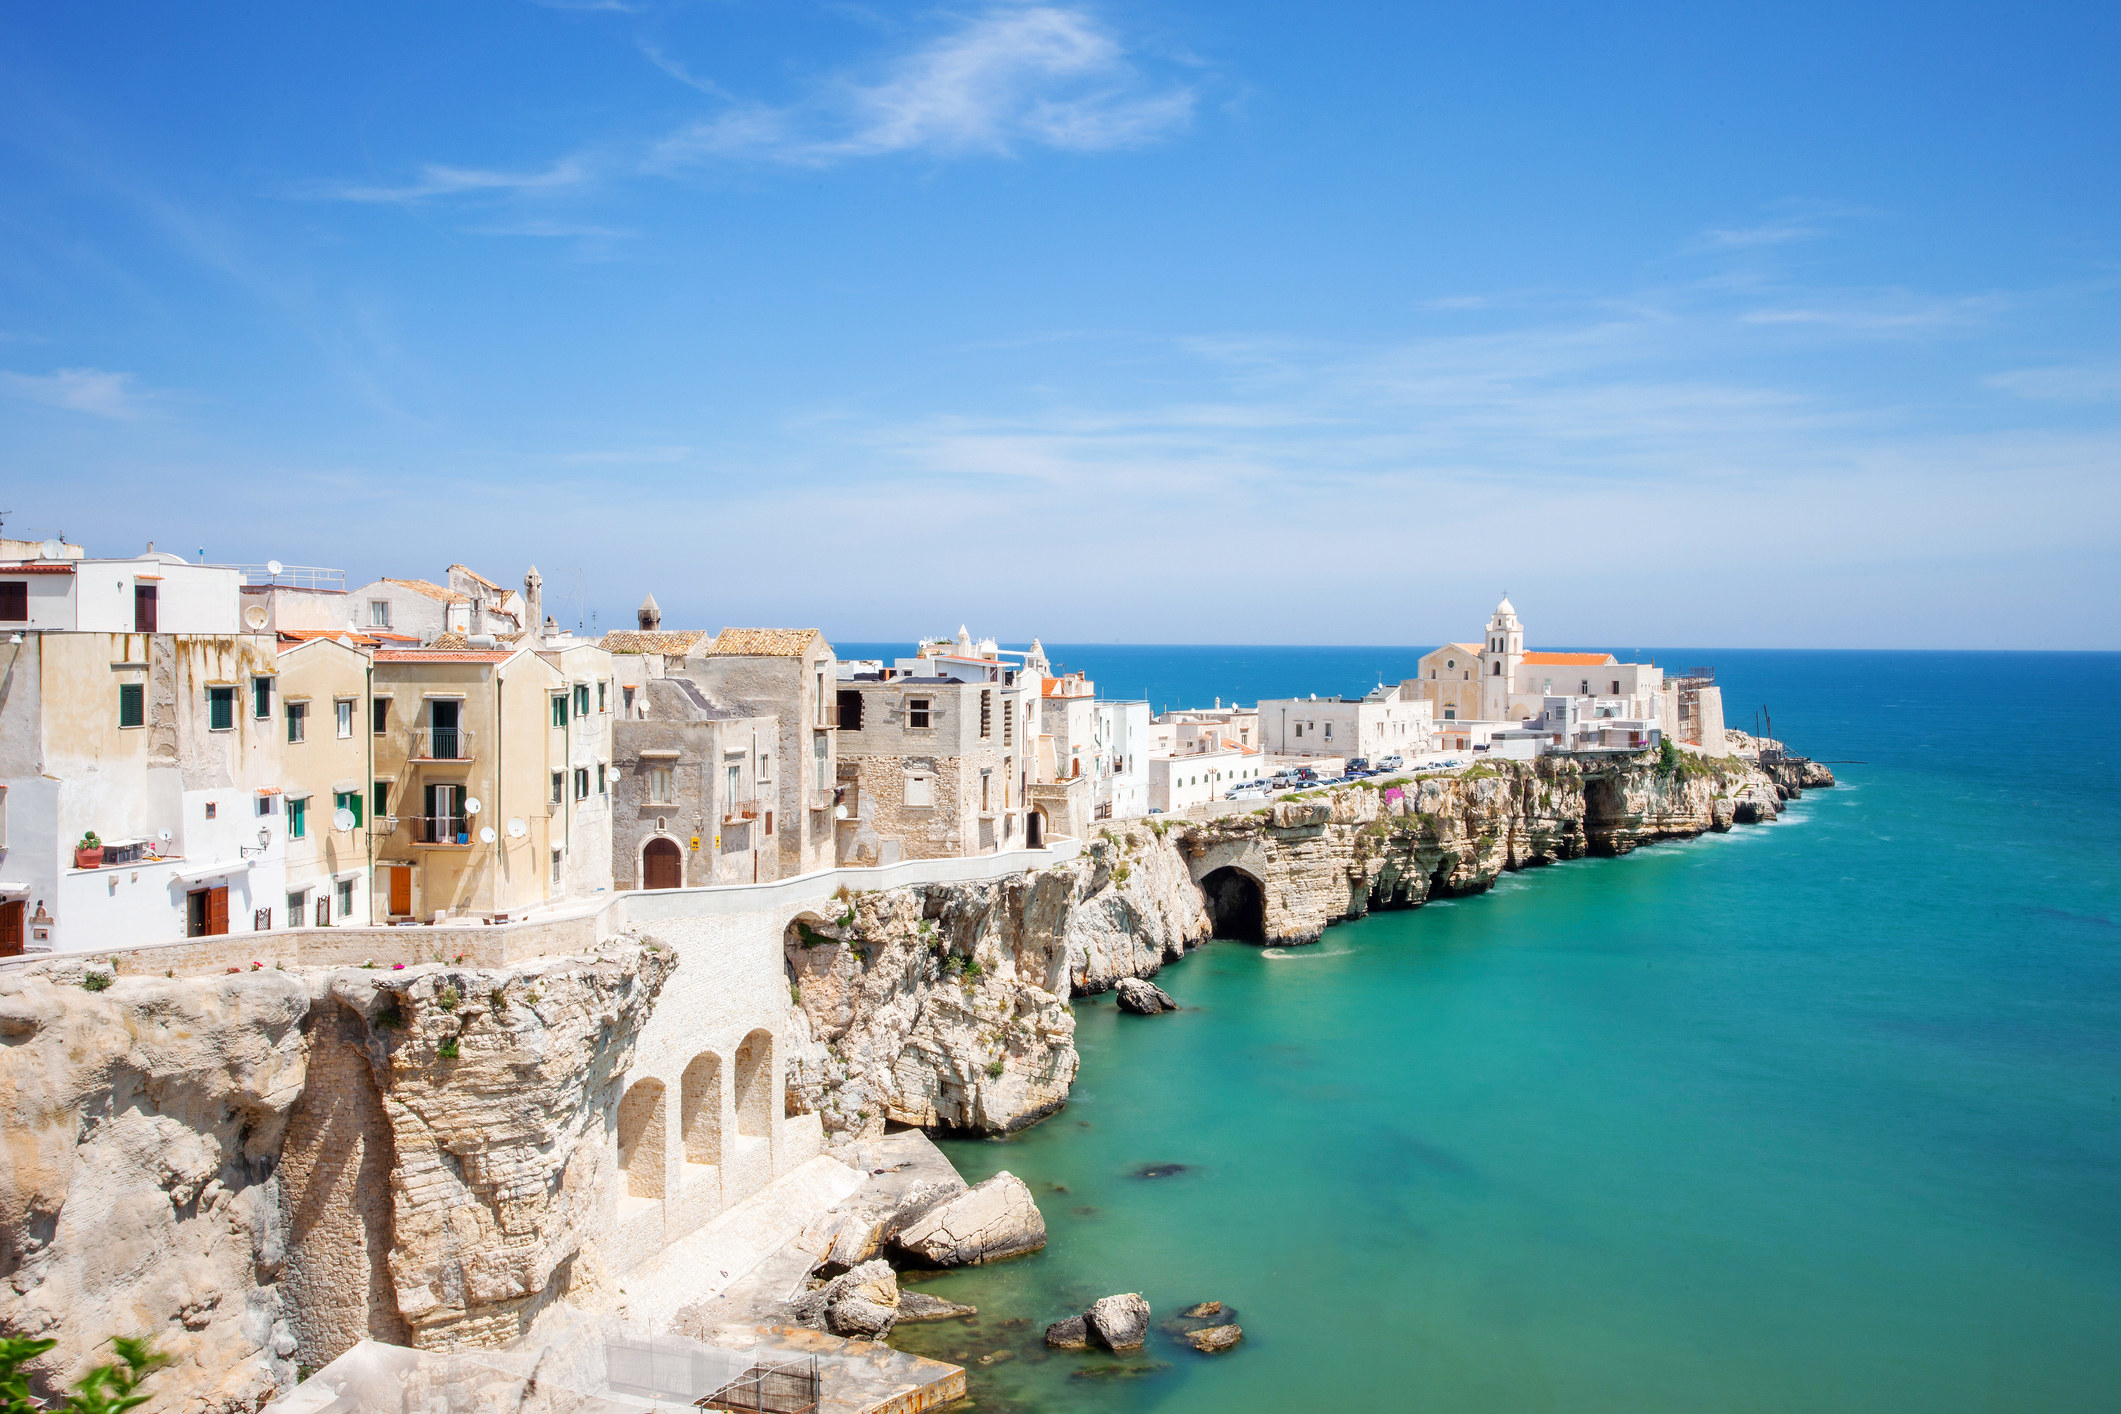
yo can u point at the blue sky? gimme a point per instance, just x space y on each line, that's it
1683 324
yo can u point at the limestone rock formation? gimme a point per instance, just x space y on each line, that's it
918 1306
1144 998
862 1303
1118 1322
947 1004
260 1169
985 1223
1202 1311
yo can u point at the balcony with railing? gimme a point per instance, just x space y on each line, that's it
442 743
454 830
737 810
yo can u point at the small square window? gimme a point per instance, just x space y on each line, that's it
209 810
559 787
917 712
379 713
379 613
221 709
581 783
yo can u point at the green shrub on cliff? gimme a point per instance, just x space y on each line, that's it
107 1389
1668 756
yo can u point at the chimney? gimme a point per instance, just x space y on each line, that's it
651 617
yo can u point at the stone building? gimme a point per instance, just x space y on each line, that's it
1449 678
933 756
786 674
687 808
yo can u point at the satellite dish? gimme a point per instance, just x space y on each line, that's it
486 835
164 835
472 806
839 812
272 567
342 819
52 549
255 616
517 829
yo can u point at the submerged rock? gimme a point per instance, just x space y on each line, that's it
1071 1334
1118 1322
1203 1310
986 1223
914 1306
1144 998
1212 1340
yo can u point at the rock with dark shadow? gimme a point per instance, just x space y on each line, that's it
985 1223
1144 998
1118 1322
1214 1339
1071 1334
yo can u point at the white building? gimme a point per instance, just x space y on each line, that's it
1179 780
1122 745
1384 723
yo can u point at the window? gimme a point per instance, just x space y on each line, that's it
379 800
1008 721
600 778
261 921
379 711
850 710
266 805
1299 728
1616 687
626 700
1329 731
660 791
986 712
769 823
324 910
144 615
581 783
765 771
261 698
559 709
920 791
734 776
559 787
298 721
297 909
298 817
917 712
379 613
14 601
602 706
581 699
346 898
221 709
132 704
822 719
1498 671
556 866
348 801
343 711
986 780
209 810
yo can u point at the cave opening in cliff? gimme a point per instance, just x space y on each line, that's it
1605 813
1236 905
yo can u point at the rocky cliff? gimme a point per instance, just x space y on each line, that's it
261 1168
946 1005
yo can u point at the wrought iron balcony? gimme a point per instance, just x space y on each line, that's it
442 743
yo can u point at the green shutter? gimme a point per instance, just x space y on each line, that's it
298 818
132 704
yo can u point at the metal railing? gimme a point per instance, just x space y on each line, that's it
442 743
741 810
793 1388
438 829
294 576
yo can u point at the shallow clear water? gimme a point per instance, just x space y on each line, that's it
1824 1115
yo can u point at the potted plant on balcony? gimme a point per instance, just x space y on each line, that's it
89 853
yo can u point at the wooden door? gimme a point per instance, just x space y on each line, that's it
217 911
401 892
662 866
11 928
144 608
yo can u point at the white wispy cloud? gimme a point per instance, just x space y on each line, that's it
1012 76
2087 383
1744 237
89 390
439 180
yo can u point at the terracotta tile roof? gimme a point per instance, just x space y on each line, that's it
447 655
354 636
671 643
1568 660
449 640
44 568
430 589
471 573
761 643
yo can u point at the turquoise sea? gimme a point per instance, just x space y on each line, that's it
1818 1116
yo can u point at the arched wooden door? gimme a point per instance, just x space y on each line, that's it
662 867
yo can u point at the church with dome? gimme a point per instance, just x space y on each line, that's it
1499 680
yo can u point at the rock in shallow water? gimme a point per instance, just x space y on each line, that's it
913 1306
1144 998
1202 1311
1213 1339
1071 1334
1118 1322
986 1223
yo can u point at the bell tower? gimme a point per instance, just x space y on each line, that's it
1500 657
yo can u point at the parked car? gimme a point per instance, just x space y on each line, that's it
1360 766
1392 763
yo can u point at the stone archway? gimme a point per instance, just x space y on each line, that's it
641 1139
754 1086
1237 904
